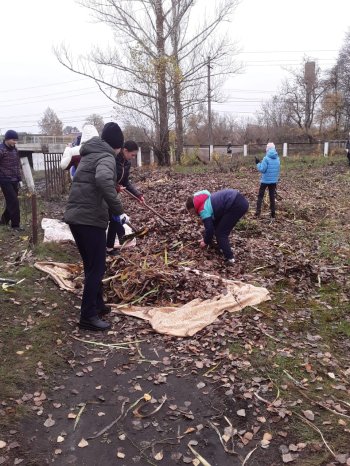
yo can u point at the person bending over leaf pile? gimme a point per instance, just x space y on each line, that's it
219 212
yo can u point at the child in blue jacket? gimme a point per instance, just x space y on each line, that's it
220 212
270 169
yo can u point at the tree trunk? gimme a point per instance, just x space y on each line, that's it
177 86
162 150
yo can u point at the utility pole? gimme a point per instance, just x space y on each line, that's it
210 128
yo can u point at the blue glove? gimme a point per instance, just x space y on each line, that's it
123 218
118 219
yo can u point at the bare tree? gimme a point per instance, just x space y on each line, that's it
50 124
225 129
302 97
340 80
96 120
158 75
275 119
70 129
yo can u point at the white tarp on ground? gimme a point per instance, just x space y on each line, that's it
57 231
181 321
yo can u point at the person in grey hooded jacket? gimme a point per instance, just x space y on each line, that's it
91 197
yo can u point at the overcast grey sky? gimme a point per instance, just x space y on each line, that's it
271 34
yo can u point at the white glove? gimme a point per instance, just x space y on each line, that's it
21 184
124 218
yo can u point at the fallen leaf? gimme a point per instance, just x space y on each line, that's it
120 454
49 422
101 414
309 415
287 458
71 416
83 443
189 430
2 444
159 456
241 412
60 439
147 397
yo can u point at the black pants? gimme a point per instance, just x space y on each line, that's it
91 242
348 155
11 212
226 223
114 229
272 194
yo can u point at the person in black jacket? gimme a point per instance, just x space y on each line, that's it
92 197
123 163
347 148
10 178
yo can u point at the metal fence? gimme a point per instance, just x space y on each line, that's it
56 181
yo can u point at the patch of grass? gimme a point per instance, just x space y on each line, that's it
236 348
33 320
187 170
343 328
57 252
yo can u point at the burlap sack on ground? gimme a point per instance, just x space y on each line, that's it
180 321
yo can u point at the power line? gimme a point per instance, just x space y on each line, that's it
44 85
288 51
45 100
32 116
67 121
48 95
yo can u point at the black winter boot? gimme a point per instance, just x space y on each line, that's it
94 323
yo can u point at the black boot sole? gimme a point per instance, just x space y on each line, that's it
93 327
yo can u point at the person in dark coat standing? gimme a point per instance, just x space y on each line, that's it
347 148
269 167
92 196
123 162
10 178
220 212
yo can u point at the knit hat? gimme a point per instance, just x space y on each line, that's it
270 145
11 134
113 135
